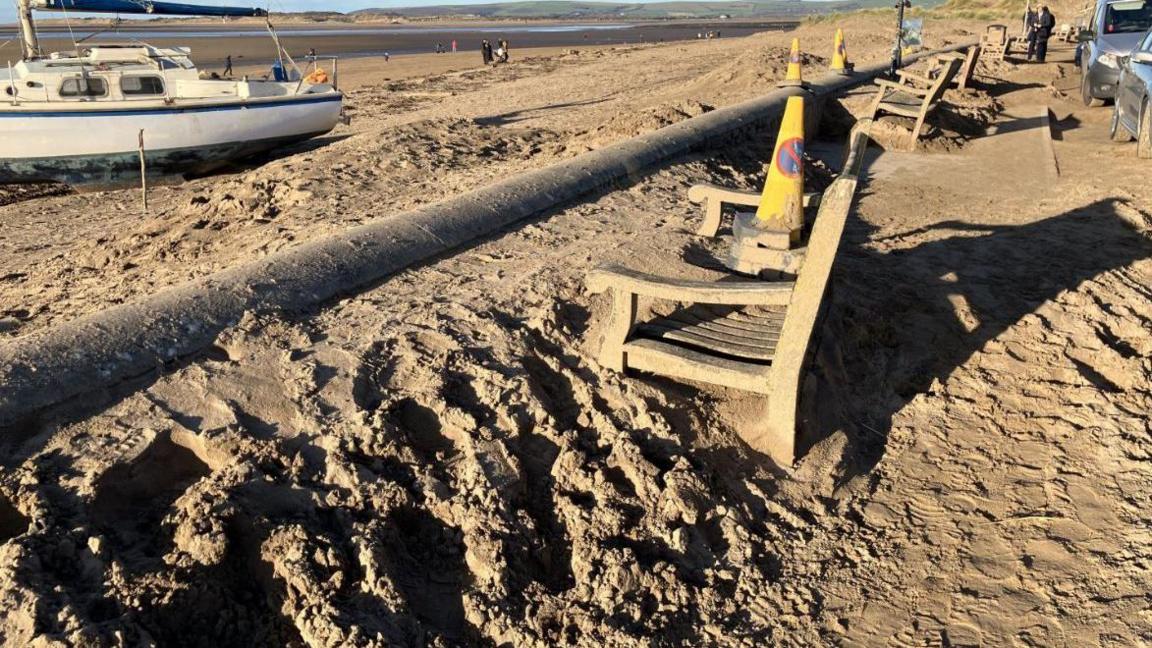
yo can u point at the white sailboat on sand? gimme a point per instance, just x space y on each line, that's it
76 117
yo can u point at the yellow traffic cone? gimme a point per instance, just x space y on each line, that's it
794 76
840 63
782 204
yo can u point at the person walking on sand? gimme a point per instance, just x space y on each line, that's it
486 52
1045 23
228 65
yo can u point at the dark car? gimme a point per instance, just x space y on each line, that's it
1115 27
1131 115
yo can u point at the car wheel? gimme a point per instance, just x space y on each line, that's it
1086 92
1116 129
1144 137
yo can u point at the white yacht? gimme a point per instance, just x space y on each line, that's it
80 117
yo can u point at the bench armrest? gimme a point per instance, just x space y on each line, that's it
902 87
905 74
714 198
735 293
701 193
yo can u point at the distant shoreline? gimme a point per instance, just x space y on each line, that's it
168 24
249 45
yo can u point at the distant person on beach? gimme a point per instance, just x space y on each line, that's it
312 54
486 52
439 48
387 57
1045 23
1030 30
228 65
453 45
503 51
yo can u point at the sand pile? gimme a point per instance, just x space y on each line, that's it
630 125
11 194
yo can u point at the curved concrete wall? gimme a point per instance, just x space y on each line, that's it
108 347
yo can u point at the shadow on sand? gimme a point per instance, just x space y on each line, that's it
907 317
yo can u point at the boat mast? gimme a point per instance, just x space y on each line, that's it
29 43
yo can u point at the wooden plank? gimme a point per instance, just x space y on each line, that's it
670 360
762 318
732 326
711 340
736 293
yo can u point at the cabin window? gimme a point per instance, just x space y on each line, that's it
84 87
135 86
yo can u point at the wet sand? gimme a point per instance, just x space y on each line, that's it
210 45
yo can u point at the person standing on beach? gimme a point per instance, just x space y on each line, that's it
387 57
1030 30
1045 23
486 52
504 51
228 65
453 45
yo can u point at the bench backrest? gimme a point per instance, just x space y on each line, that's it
943 81
805 307
994 35
969 68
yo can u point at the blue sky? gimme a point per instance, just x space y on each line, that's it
8 7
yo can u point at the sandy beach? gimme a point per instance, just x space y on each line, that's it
441 460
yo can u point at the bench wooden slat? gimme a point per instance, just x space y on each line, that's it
667 359
731 324
735 293
717 343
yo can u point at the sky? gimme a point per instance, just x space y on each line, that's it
8 7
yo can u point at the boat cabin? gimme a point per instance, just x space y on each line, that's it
129 72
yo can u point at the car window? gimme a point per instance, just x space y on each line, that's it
142 85
1146 44
84 87
1127 17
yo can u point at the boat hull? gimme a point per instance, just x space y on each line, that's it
101 147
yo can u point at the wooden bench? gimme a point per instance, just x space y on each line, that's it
744 334
996 41
967 70
908 99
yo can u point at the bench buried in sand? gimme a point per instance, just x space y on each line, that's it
752 335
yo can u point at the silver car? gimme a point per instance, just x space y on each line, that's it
1115 27
1131 115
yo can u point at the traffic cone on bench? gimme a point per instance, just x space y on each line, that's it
765 241
840 64
795 76
782 203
